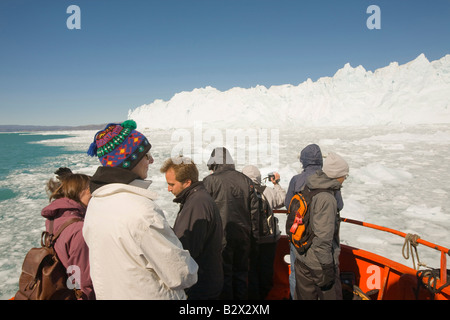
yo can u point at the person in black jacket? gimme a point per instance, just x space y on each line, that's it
234 194
198 226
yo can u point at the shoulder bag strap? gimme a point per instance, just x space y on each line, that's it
60 230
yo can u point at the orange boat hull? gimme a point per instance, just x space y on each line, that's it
378 277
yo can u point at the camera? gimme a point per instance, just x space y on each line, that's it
271 176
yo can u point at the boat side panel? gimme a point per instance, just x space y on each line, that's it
386 279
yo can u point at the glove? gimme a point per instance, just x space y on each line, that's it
329 277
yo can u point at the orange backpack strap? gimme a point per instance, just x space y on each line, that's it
298 227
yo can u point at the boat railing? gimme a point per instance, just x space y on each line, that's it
415 240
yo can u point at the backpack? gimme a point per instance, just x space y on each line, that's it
298 227
43 275
268 223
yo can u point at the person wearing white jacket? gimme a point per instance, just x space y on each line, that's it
134 254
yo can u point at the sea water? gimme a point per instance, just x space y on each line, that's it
27 162
398 178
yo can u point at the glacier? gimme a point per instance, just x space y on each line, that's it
417 92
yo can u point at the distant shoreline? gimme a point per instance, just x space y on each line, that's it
28 128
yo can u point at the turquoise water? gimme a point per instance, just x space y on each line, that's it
20 153
27 162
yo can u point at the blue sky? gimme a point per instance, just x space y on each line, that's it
129 53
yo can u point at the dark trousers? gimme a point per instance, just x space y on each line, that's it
306 288
260 278
235 268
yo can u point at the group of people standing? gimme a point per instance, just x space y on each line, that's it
224 238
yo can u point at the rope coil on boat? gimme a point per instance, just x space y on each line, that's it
432 276
409 244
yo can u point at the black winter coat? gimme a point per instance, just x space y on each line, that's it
234 193
199 228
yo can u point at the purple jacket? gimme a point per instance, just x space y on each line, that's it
70 246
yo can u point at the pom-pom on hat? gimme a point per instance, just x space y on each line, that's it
119 145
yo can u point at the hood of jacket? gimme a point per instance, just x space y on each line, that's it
253 173
59 206
320 180
114 188
220 159
311 155
111 180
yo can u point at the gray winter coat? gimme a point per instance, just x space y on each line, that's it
325 223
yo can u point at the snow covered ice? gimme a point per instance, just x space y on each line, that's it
416 92
391 125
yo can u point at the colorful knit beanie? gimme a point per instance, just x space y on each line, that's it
119 145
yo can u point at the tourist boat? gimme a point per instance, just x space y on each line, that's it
368 276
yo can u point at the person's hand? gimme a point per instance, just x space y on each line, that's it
328 277
275 178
